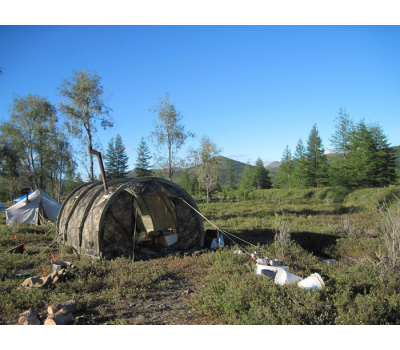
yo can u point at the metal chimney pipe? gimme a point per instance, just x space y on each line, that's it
103 174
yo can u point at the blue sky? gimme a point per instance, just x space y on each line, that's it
252 89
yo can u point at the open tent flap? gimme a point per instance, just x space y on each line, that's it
149 218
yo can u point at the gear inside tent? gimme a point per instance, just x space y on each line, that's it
36 208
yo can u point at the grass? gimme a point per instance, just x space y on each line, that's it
221 287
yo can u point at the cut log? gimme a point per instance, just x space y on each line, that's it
27 317
61 317
32 321
70 306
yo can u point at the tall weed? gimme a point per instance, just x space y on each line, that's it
389 228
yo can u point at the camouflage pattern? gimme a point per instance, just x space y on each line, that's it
103 225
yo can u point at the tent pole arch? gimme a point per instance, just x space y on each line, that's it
90 204
88 186
76 202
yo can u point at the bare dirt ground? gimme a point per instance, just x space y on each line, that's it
169 306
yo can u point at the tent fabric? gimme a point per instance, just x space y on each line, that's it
2 208
39 209
127 218
22 197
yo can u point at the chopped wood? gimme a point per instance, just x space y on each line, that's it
28 317
32 321
70 306
61 317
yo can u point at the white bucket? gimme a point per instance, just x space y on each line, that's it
269 271
261 267
284 277
314 281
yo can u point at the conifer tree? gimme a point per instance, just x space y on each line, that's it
261 178
316 162
116 160
386 158
230 176
245 183
189 182
340 140
285 172
121 157
371 159
300 166
142 165
110 162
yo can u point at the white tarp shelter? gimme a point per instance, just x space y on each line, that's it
2 208
38 209
22 197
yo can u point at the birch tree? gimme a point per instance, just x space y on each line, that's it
31 130
170 133
209 168
85 109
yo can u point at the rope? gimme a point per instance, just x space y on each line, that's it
223 231
54 240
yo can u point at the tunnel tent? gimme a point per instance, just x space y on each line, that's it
37 208
135 216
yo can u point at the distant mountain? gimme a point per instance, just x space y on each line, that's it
224 162
273 165
237 167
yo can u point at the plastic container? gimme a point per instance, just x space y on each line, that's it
269 271
284 277
58 265
313 281
171 239
275 262
262 261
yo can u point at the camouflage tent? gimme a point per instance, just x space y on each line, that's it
135 215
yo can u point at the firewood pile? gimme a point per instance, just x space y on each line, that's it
57 314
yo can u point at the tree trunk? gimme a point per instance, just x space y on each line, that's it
70 306
61 317
169 162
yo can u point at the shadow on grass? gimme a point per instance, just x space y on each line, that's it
317 243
